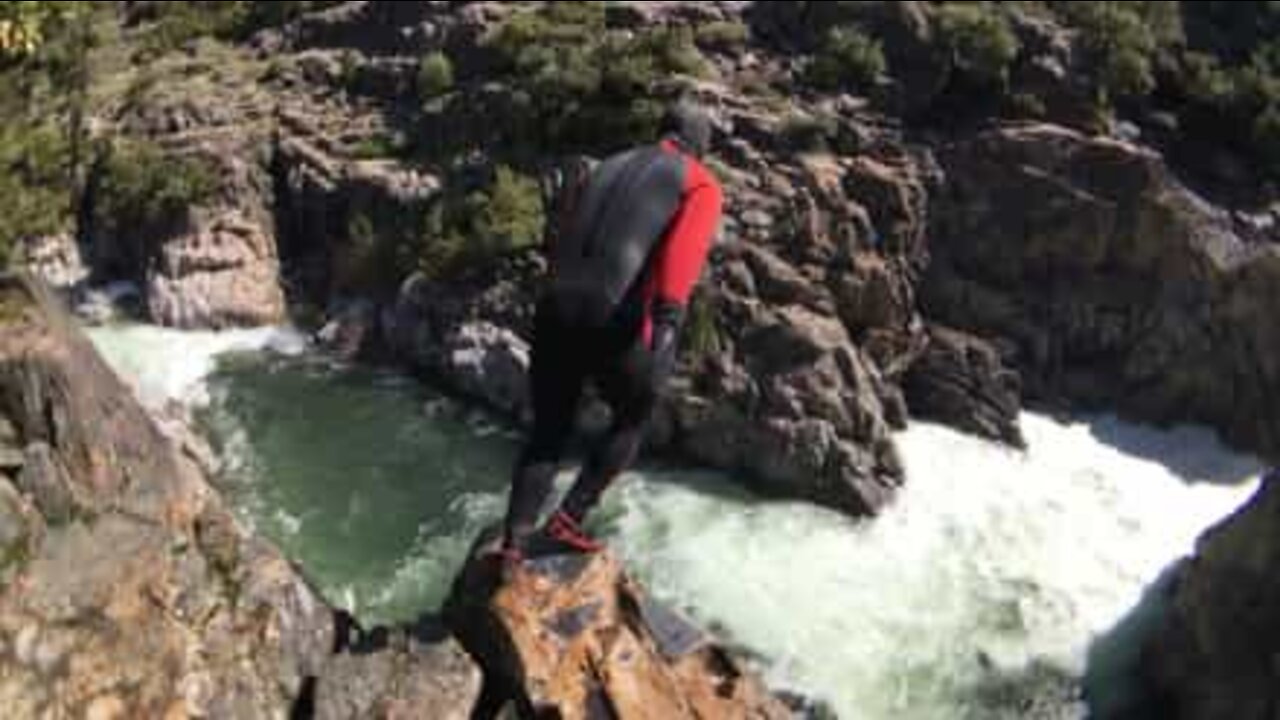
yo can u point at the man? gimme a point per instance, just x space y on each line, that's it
632 240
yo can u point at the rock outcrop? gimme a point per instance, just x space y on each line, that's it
1215 655
572 636
1108 283
961 380
127 589
224 272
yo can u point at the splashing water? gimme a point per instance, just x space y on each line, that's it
164 365
976 595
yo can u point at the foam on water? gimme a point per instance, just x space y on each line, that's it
165 365
976 595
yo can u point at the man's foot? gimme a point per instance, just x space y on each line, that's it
562 535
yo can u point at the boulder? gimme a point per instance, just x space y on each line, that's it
575 637
224 272
397 675
961 380
795 409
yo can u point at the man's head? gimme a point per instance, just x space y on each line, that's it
689 125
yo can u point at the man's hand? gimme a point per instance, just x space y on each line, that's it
666 317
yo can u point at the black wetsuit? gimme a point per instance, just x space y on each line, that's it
622 268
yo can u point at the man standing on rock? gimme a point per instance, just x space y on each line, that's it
631 242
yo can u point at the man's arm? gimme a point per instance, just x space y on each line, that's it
684 254
679 265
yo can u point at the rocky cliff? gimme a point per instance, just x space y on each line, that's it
127 588
1215 656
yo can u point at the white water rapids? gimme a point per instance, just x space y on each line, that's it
978 594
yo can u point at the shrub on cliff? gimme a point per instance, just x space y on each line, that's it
587 86
1121 40
848 59
35 198
977 40
435 75
466 228
168 26
143 193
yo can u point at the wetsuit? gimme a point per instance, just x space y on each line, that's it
623 265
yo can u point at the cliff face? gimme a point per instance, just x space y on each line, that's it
127 589
876 262
1109 283
1215 656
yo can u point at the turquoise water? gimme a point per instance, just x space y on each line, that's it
375 486
987 590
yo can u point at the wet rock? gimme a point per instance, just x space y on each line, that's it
961 380
575 637
351 331
490 362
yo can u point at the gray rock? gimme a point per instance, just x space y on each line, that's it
45 480
11 455
223 273
351 329
1214 652
1112 284
55 259
961 380
400 680
489 362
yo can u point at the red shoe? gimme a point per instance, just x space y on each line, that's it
565 531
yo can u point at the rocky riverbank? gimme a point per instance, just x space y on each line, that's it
857 240
128 589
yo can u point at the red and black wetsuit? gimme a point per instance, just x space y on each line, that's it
626 259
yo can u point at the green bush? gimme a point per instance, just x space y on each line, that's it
583 85
473 228
703 328
435 75
978 39
143 192
1266 137
807 133
1121 40
35 192
848 58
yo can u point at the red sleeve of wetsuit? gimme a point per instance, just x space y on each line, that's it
687 243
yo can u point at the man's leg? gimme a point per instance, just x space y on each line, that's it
555 380
631 392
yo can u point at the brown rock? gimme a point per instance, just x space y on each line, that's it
574 637
147 598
